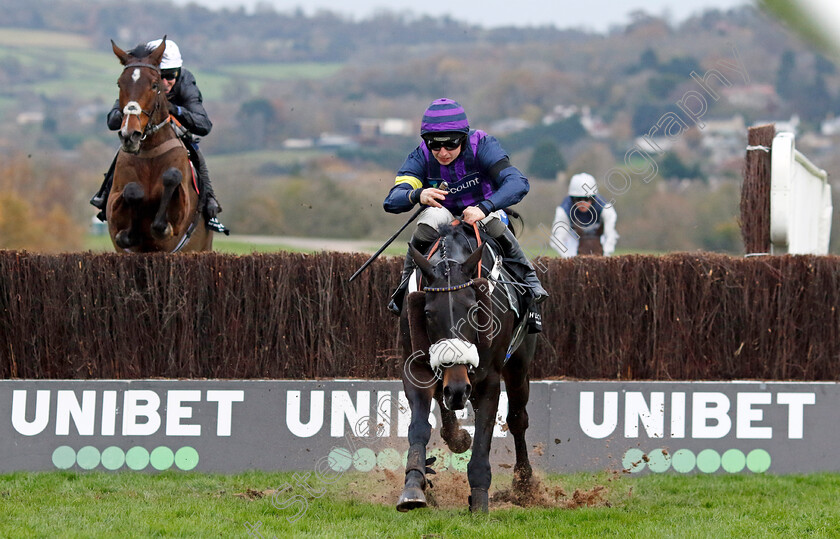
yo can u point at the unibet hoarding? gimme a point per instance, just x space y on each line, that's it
230 426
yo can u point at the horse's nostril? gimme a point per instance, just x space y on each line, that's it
447 393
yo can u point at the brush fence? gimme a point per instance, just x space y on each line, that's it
295 316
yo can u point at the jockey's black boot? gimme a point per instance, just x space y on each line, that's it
211 206
100 199
396 303
513 251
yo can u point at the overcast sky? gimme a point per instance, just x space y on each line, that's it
596 15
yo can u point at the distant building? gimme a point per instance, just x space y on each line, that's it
508 126
370 128
830 127
789 126
752 96
595 126
298 143
724 138
30 117
725 127
334 140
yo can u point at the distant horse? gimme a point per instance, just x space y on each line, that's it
153 204
590 239
455 335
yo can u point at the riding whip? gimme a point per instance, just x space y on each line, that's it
442 186
386 244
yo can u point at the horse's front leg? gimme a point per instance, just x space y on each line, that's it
419 398
125 208
161 228
485 401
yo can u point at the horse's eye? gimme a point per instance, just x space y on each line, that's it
428 314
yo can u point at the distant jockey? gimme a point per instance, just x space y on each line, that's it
583 215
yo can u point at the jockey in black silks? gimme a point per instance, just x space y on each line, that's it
480 183
185 105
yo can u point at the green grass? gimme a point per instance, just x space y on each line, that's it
69 504
220 244
237 246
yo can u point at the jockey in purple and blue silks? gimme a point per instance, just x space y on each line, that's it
480 183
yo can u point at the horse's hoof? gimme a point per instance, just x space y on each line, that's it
460 442
162 232
133 193
123 239
479 501
522 480
411 498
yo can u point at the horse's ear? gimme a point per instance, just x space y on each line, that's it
415 305
157 55
121 54
470 264
424 265
483 319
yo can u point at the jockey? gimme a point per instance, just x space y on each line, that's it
480 180
583 212
185 105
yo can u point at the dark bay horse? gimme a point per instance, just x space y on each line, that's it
153 204
455 336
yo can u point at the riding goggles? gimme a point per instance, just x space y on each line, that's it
169 74
435 143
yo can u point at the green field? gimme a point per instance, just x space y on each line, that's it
70 504
282 72
75 66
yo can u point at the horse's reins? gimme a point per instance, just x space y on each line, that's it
190 229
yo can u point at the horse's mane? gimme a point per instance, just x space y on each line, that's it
446 230
463 237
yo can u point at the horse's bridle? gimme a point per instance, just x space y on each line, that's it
450 288
133 109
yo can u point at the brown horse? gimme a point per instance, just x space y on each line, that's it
153 204
456 335
590 239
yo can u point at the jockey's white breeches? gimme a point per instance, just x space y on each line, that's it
432 218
